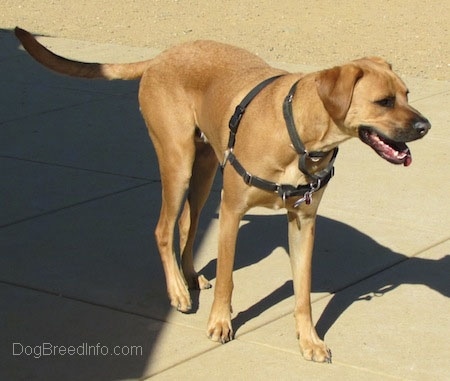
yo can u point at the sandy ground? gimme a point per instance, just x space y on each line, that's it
413 35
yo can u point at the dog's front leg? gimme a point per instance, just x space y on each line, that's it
301 242
219 324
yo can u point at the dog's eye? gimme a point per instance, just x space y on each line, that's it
388 102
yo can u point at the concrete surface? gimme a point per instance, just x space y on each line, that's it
79 268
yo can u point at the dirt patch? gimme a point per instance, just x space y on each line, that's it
413 35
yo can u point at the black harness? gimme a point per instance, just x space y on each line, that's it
304 192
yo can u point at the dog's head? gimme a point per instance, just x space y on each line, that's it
366 99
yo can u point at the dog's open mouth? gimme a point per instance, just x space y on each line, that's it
392 151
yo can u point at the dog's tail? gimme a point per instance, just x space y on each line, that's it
75 68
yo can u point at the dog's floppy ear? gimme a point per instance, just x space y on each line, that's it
335 89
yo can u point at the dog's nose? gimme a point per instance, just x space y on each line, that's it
422 126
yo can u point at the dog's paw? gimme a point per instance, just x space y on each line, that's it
182 305
197 282
315 351
220 330
203 283
179 297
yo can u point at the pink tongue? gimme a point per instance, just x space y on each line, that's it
389 151
408 160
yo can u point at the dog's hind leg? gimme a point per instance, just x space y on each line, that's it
175 181
172 134
203 171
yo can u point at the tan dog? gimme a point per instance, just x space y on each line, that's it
187 96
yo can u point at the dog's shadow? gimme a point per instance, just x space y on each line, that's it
347 264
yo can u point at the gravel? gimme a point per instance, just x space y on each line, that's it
413 35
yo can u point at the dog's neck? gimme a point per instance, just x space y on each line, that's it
309 111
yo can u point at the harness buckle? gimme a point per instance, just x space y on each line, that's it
247 178
283 191
236 118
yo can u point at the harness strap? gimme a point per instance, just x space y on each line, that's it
290 124
240 109
320 179
298 144
283 190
